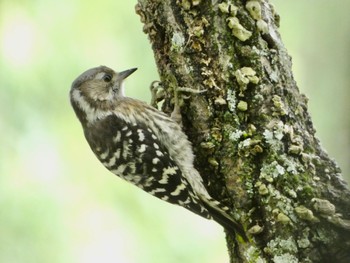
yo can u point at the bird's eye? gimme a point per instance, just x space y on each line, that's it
107 78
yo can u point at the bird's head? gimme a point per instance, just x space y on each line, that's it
96 90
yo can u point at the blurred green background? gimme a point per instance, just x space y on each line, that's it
58 203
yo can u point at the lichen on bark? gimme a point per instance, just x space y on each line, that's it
253 137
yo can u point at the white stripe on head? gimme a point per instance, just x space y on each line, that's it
100 75
92 114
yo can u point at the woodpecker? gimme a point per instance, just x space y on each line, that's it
142 145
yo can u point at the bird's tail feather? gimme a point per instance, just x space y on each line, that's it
221 216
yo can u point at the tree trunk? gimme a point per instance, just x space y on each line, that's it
251 131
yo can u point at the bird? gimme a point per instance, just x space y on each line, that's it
142 145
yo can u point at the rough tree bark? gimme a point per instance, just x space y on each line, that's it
251 131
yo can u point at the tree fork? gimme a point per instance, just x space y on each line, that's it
253 137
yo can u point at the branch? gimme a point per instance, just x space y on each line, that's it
251 130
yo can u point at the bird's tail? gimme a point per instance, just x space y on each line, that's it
220 214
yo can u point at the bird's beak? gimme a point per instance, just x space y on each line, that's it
126 73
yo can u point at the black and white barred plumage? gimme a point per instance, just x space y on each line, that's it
141 144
